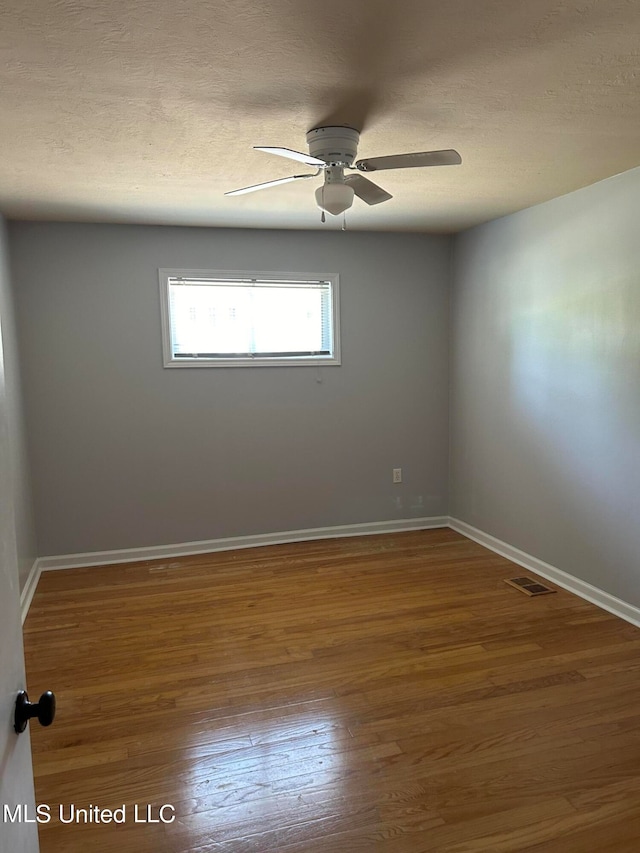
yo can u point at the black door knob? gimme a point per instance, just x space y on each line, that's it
44 710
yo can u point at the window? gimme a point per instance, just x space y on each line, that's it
235 319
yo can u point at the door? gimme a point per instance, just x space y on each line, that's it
16 776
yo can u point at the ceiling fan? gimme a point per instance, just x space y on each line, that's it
334 149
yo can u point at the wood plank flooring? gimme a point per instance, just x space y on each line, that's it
381 694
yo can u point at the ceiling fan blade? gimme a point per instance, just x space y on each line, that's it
367 190
292 155
266 184
448 157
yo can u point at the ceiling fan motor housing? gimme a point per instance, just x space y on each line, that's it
334 145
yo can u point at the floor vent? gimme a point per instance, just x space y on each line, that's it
529 586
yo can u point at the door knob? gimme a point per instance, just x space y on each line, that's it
44 710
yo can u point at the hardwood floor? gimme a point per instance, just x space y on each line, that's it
382 693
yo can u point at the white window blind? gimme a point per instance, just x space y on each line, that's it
214 319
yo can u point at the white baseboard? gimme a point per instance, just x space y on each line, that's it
184 549
596 596
581 588
26 596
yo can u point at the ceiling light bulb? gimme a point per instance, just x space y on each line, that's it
334 198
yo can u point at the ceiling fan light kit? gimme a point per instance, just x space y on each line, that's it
333 149
335 198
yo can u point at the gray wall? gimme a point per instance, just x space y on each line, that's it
545 399
126 453
20 477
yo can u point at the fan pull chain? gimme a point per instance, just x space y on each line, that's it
344 221
323 218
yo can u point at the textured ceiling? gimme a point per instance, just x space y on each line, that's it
147 111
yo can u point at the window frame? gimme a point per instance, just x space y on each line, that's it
165 276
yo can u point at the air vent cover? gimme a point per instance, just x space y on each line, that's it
529 586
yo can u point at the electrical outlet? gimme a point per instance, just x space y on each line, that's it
397 475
